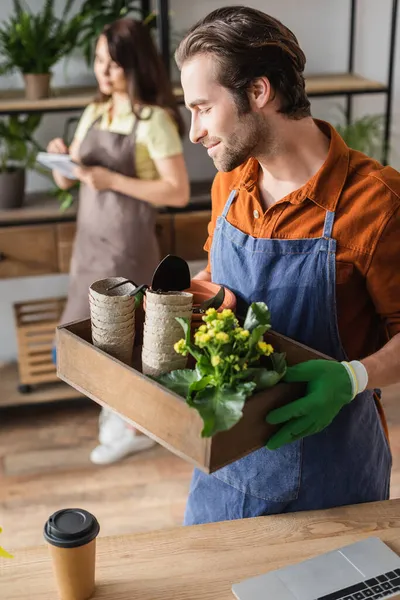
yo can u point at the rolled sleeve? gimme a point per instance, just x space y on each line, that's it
383 275
216 210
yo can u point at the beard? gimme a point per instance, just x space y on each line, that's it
251 132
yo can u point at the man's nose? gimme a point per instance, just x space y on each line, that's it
197 131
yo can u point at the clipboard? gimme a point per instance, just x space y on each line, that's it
62 163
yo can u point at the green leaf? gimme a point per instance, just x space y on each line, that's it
204 366
185 324
264 378
257 314
220 408
257 334
278 360
178 381
200 384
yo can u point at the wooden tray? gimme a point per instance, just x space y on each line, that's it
162 414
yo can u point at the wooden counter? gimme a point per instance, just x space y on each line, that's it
202 562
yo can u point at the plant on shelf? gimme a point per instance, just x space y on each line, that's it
33 43
364 134
18 150
95 14
232 363
4 553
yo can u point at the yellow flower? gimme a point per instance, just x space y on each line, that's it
4 553
210 312
180 347
236 367
202 328
215 361
202 338
227 313
265 348
222 337
245 333
212 333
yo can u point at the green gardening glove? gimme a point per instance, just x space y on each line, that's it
329 388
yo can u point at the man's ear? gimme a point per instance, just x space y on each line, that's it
260 92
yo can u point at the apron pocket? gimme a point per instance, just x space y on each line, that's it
272 475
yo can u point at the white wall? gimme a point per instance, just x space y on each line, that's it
322 28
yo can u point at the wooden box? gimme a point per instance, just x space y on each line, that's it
36 322
162 414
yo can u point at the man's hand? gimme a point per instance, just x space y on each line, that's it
98 178
329 389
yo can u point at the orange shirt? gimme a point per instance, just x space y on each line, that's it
366 198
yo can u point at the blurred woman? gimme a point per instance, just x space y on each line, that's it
128 146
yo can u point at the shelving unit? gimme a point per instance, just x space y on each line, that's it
77 98
347 84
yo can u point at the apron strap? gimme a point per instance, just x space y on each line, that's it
328 225
227 206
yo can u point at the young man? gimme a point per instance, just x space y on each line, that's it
312 228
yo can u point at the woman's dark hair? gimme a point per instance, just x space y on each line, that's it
248 44
131 47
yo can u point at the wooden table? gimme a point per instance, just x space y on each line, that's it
202 562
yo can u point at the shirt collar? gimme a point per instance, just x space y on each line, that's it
325 187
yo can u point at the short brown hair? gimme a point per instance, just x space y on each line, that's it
249 44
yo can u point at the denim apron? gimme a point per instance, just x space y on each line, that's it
349 462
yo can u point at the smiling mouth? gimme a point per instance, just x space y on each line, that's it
211 148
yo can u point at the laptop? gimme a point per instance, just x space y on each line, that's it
364 570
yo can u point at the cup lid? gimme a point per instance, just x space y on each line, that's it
70 528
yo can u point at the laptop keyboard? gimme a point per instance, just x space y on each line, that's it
382 586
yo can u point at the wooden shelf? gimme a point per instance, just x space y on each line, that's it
49 392
62 100
76 98
341 83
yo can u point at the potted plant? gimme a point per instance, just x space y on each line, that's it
95 14
33 43
364 134
232 363
18 150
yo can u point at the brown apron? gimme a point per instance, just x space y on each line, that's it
115 234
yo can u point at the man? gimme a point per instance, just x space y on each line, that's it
312 228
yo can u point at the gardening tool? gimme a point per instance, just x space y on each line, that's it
171 275
214 302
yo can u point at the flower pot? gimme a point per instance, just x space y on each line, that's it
204 290
37 86
12 189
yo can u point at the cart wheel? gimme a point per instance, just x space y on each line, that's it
24 389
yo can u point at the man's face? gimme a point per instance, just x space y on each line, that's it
230 138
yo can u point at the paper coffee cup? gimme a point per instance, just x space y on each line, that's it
71 534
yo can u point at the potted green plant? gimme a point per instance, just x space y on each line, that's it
364 134
33 43
232 363
95 14
18 150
